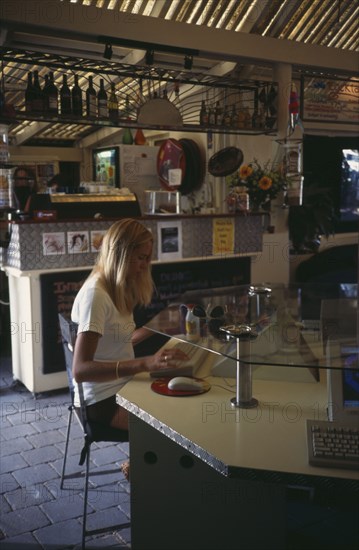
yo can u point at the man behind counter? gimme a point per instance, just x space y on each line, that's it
25 187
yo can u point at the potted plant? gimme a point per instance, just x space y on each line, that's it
308 222
262 184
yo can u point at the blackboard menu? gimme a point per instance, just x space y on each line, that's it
58 291
174 279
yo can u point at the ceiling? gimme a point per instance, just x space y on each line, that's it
74 33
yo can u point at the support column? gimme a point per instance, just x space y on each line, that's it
282 73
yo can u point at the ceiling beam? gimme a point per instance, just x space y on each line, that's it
88 22
31 131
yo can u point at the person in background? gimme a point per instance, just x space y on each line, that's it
57 184
104 357
25 186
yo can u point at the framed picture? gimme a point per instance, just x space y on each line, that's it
105 163
169 240
53 244
329 100
77 242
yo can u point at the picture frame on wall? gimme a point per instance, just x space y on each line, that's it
169 235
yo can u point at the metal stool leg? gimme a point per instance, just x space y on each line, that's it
66 446
84 519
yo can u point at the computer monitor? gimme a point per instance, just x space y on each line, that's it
343 381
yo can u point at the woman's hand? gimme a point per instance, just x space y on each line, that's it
165 358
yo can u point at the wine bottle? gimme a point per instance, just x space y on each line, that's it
45 99
203 115
90 99
102 109
113 104
29 93
76 96
52 95
226 119
234 117
218 113
65 97
212 116
37 99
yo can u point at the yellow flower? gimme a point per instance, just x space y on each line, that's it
245 171
265 183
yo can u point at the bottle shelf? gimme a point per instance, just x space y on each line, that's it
203 103
20 116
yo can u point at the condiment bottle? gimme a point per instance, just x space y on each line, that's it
192 324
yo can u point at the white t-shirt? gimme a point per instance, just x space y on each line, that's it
93 310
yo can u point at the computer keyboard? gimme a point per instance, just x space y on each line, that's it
333 444
189 367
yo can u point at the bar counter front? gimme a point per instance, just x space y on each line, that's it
210 472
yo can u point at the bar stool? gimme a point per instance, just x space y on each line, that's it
92 431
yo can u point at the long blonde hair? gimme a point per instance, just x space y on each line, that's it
113 262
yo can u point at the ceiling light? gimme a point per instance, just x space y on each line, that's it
108 51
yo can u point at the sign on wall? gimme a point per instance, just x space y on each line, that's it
329 100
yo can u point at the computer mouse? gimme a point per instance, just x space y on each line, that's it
184 383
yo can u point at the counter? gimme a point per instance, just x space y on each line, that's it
46 263
222 474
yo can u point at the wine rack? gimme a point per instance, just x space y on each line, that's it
232 105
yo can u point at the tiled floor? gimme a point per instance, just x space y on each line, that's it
35 513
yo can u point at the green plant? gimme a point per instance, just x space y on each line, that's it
307 223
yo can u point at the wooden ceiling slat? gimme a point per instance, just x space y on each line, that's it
217 14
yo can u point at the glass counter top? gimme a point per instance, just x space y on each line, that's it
270 324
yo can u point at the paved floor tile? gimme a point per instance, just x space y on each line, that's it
14 446
35 474
15 523
42 456
41 440
60 535
28 495
66 506
12 463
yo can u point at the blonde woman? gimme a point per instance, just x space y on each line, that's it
103 309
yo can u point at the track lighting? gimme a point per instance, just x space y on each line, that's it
108 51
188 62
150 55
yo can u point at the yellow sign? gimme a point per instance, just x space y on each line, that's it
223 236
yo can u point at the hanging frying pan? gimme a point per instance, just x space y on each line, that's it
225 162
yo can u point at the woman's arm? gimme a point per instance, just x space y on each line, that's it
85 369
141 334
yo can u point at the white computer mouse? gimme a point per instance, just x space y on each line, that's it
184 383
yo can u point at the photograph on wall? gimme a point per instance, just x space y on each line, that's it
77 242
169 240
53 243
96 240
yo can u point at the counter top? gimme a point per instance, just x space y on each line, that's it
266 443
